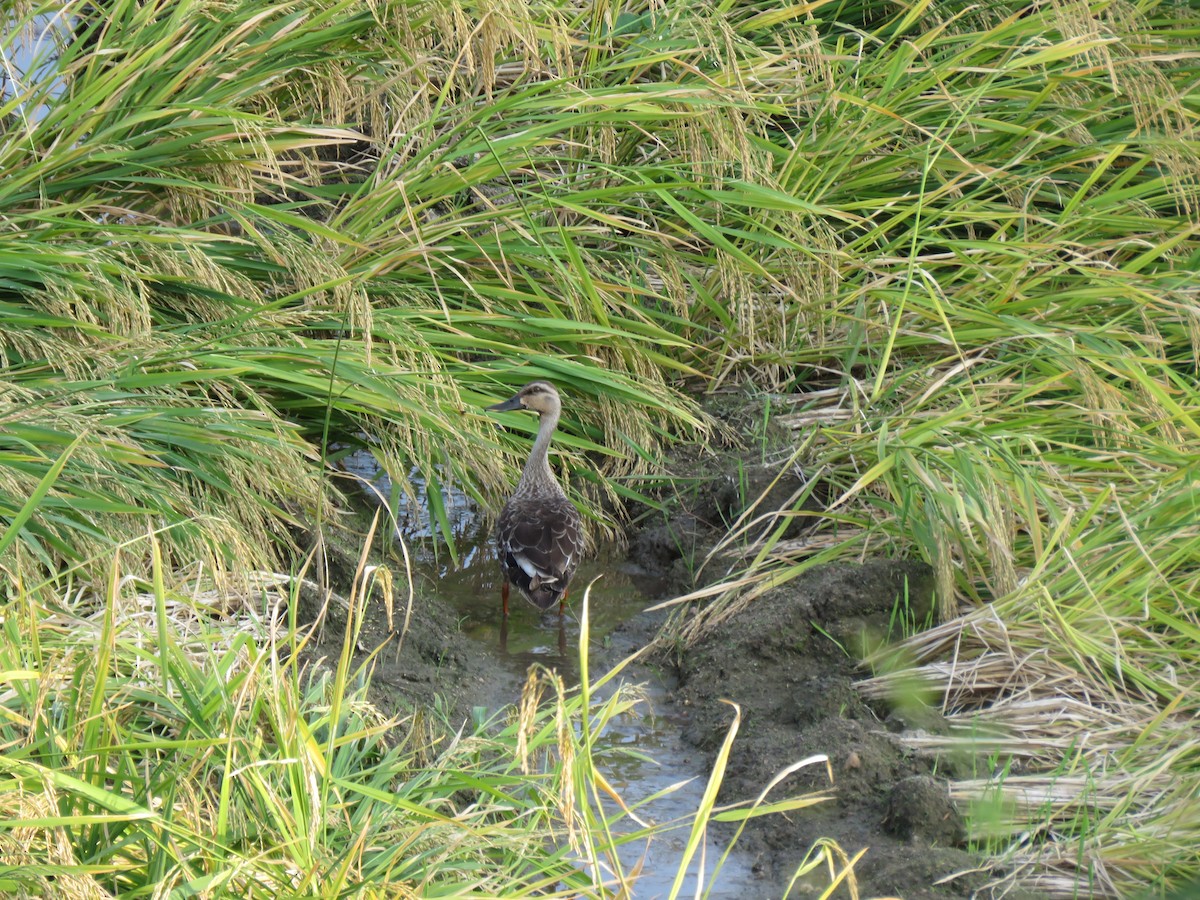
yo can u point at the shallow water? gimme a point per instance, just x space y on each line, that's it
532 637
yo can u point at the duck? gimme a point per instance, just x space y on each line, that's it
539 535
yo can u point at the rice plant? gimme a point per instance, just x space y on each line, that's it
237 239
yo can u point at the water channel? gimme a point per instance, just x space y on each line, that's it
531 637
618 594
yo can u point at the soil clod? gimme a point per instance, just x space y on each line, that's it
790 660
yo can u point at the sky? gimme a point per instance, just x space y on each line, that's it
27 57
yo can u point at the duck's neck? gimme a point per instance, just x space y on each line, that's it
537 477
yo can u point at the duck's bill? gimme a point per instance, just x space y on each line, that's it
510 404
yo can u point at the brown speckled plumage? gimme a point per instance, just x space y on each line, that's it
539 537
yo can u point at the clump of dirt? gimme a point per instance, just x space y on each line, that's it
787 662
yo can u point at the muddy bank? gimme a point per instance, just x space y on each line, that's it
420 660
789 662
786 662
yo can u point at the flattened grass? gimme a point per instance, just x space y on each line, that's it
311 234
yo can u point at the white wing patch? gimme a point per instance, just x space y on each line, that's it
537 577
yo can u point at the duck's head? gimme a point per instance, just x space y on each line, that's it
537 396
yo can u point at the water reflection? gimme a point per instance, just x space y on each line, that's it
561 646
616 595
413 518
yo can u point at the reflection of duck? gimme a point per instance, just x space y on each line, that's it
539 537
535 656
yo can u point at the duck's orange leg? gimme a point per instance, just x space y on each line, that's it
504 598
562 602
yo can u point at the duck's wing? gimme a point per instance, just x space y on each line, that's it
540 542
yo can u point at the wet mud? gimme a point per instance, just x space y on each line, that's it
788 662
